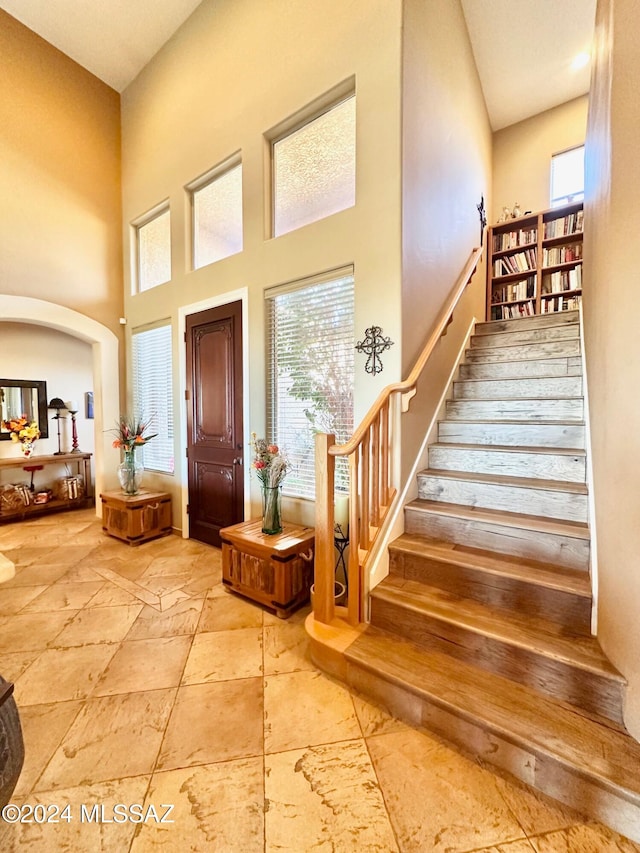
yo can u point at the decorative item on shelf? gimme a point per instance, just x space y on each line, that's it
58 404
23 432
271 468
373 346
516 213
505 215
130 434
72 407
43 497
69 488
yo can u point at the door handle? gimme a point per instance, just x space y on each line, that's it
237 461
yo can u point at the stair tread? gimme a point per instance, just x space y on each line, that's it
543 574
567 318
473 379
597 750
499 421
510 448
504 480
527 632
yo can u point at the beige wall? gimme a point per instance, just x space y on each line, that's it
446 149
612 221
65 364
522 155
59 179
233 71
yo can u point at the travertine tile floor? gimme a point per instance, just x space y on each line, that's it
140 680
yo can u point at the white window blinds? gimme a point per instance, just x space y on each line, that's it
310 372
153 394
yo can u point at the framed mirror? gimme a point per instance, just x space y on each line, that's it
23 397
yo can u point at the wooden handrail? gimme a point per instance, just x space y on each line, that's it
371 493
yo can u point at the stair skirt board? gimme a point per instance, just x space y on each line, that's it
525 536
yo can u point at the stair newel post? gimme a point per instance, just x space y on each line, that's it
324 606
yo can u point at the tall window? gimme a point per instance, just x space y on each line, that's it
217 215
153 250
310 372
314 169
567 176
153 394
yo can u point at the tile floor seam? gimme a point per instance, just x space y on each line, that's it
383 795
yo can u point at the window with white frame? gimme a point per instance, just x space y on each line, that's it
310 372
153 250
314 168
152 378
217 214
567 176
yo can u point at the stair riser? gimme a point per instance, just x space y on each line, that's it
532 501
571 611
508 339
517 369
541 321
565 551
589 691
507 389
515 410
512 435
546 774
554 349
545 466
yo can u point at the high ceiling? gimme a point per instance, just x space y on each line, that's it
523 48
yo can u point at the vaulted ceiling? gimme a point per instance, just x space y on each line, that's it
524 49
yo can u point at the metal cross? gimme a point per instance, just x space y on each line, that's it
373 346
483 218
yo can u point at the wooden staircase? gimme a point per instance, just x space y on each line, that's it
481 631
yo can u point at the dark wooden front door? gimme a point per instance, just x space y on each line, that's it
214 421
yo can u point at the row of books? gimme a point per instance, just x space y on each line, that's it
559 303
570 224
562 254
512 312
524 289
561 280
513 239
518 262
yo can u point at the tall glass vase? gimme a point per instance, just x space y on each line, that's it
130 473
271 514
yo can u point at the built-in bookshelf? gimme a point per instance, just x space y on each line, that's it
535 263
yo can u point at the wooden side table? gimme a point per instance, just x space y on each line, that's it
274 570
136 518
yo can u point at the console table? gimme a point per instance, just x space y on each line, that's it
274 570
37 474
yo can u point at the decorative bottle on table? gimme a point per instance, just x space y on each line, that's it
271 467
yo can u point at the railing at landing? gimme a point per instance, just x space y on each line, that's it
372 494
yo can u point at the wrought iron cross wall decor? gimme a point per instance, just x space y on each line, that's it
373 346
483 218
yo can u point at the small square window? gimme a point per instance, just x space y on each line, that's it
567 176
217 217
153 238
314 169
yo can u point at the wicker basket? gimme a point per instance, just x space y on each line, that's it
69 488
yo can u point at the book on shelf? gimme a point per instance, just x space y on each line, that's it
514 239
564 225
517 290
557 282
518 262
512 312
560 303
561 254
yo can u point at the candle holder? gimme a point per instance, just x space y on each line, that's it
341 542
74 433
57 404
